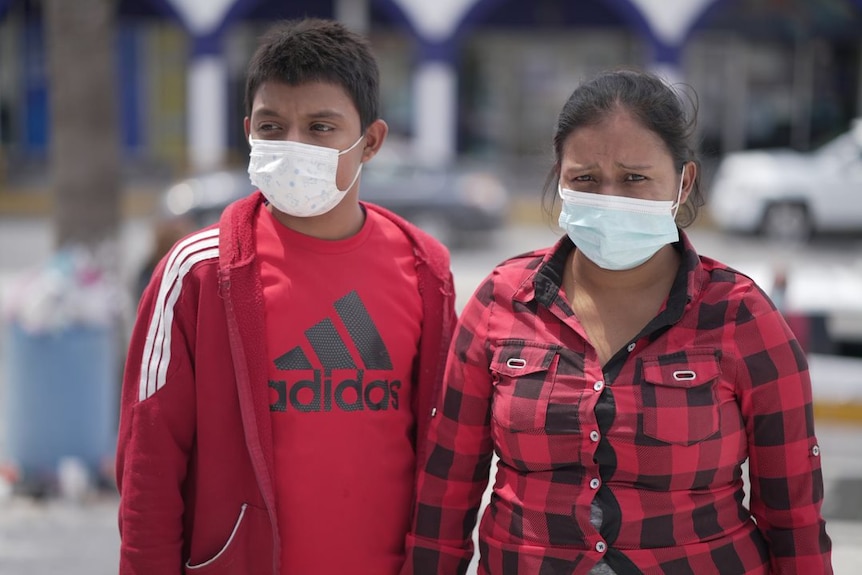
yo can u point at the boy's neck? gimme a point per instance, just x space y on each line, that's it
341 222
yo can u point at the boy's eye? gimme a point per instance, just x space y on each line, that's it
267 127
635 178
321 128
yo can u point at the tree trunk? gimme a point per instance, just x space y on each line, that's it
84 138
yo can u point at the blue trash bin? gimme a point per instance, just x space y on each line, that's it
61 398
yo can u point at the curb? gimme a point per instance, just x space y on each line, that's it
143 201
138 201
838 412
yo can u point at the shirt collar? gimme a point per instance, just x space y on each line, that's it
545 278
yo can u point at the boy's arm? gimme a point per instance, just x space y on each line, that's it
157 422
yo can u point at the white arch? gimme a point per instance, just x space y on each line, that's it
435 83
671 20
438 20
202 17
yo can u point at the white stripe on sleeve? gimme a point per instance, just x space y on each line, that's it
157 347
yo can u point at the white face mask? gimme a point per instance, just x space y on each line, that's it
617 232
297 179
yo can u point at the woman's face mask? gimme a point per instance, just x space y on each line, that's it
298 179
616 232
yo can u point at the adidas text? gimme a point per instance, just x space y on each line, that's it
322 394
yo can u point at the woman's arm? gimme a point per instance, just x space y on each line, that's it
784 457
455 472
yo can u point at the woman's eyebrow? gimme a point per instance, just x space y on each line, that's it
579 167
633 167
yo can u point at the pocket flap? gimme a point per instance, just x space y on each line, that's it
516 359
682 370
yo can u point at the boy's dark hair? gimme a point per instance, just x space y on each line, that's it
316 50
649 99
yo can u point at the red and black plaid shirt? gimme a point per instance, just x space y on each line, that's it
655 439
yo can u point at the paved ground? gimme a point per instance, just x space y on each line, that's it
50 536
54 536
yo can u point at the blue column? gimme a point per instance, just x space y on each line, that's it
4 7
35 87
130 88
666 61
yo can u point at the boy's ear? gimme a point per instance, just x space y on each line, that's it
246 126
375 134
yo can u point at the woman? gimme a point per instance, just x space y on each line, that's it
622 379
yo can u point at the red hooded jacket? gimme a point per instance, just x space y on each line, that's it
195 454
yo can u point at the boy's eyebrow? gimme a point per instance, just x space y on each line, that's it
265 112
318 114
326 114
633 167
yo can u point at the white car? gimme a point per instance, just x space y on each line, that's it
787 195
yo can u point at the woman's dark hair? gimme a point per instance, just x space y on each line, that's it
653 102
317 50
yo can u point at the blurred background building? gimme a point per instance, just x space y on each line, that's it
479 78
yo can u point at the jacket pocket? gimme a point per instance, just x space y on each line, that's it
245 550
679 396
523 378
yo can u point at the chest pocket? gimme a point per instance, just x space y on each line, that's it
680 398
523 376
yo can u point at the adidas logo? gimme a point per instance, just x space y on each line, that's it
355 393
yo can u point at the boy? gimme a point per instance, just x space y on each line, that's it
281 371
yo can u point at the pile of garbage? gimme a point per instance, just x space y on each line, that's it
75 287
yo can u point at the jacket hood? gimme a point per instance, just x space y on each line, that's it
237 236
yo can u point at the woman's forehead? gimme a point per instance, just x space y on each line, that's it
618 137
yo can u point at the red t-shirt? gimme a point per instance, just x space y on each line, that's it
343 321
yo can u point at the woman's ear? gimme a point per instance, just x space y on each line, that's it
689 177
375 134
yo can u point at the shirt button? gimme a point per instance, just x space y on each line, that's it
594 435
601 546
594 483
631 347
598 385
815 451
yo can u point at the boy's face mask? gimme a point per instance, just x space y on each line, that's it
297 179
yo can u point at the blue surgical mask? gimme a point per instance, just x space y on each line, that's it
617 232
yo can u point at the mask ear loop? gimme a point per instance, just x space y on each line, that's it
675 208
353 181
356 175
342 152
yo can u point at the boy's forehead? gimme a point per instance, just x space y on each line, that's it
305 97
